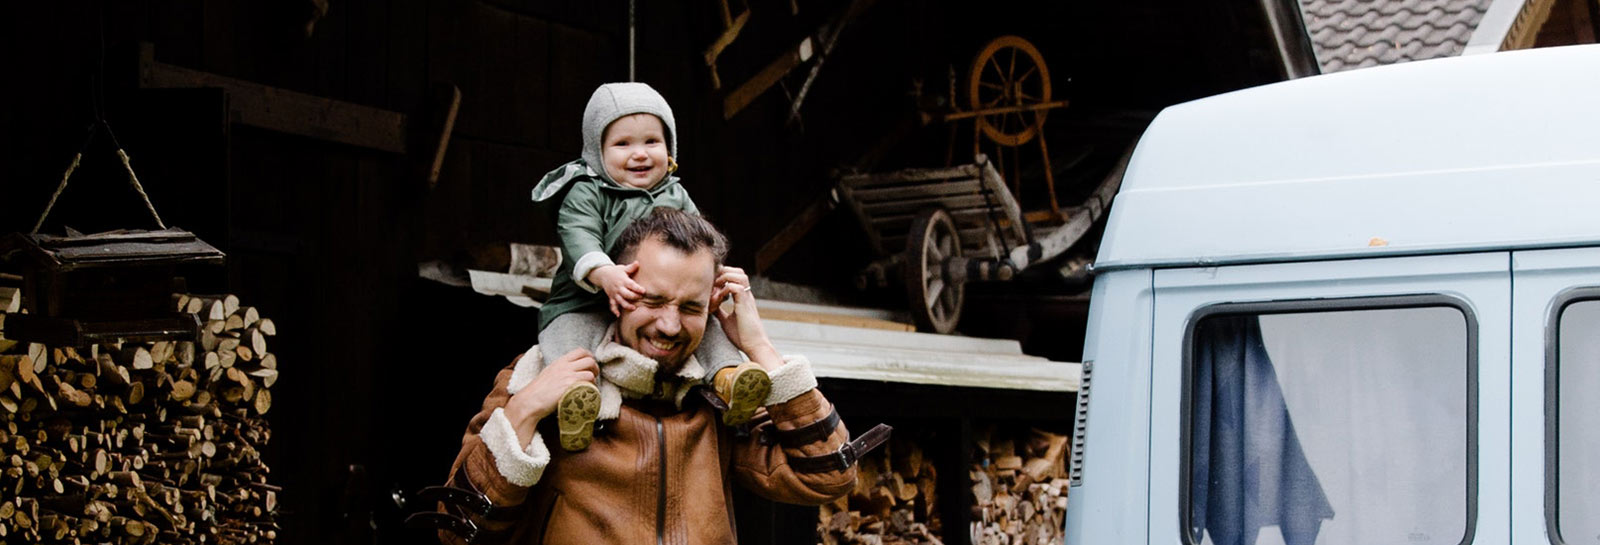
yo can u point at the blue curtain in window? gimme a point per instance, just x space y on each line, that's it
1248 468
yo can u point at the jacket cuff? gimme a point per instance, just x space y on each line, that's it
521 466
791 379
587 264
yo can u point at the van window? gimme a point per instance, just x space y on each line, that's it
1577 444
1340 426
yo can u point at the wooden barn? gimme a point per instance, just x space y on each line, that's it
365 167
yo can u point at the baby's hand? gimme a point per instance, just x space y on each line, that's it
617 280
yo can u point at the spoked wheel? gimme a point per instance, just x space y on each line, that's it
1009 72
934 293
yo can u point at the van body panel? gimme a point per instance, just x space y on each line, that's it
1472 180
1111 503
1529 206
1482 153
1544 279
1480 282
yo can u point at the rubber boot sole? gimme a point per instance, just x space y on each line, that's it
575 415
748 393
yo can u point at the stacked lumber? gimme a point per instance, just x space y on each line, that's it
141 442
1019 489
894 502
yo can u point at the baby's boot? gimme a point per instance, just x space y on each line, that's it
744 389
575 415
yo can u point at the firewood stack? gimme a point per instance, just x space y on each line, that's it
894 503
140 442
1019 489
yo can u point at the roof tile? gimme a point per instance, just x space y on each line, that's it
1347 34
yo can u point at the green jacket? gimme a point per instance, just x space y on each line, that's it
592 216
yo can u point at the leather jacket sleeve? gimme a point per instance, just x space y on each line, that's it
764 468
475 469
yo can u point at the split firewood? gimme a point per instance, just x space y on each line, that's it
1027 499
140 442
135 357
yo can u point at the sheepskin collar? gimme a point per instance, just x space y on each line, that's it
624 373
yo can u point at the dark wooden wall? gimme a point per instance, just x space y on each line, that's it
380 369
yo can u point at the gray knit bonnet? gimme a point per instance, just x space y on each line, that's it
614 101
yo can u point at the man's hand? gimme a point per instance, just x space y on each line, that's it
539 398
617 281
743 323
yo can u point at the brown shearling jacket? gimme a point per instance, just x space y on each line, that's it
656 474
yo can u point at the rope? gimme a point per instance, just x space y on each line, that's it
63 187
136 187
133 178
127 164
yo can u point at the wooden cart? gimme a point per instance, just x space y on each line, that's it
940 228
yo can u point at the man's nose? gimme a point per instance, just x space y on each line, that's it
668 323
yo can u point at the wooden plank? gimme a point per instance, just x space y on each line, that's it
876 313
913 205
795 230
730 32
447 127
948 187
748 91
853 338
910 175
931 366
847 195
283 110
802 316
1042 106
1525 28
1008 203
1082 218
964 218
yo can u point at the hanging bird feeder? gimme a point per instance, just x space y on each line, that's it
81 289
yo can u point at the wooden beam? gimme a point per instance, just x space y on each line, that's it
283 110
1007 110
769 76
730 32
802 316
445 131
1525 29
1008 203
797 229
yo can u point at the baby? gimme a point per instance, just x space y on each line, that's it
630 147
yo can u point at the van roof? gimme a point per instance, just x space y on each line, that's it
1486 152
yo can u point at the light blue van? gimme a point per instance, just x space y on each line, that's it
1360 308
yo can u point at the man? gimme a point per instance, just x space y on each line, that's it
663 470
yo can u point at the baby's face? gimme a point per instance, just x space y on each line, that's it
635 151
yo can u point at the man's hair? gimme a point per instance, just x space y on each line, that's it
686 232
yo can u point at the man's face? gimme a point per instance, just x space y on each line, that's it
670 318
634 151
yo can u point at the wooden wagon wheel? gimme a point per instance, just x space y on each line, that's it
1009 72
935 295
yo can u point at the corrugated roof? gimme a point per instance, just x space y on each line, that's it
1347 34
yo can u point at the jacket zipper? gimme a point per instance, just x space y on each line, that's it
661 489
